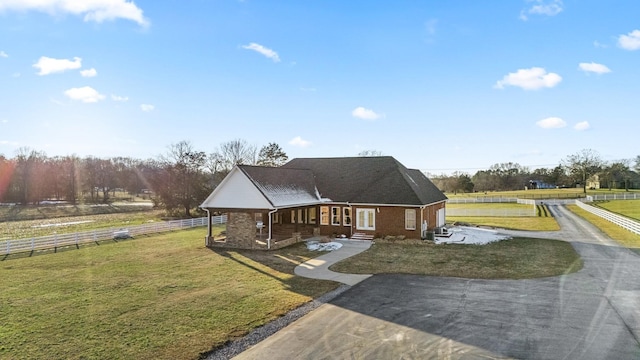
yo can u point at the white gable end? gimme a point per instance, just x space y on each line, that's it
236 192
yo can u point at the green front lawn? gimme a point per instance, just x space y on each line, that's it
518 258
163 296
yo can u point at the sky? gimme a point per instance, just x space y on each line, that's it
442 86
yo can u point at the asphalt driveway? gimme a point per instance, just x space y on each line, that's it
592 314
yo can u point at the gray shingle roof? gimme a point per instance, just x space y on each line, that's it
283 187
369 180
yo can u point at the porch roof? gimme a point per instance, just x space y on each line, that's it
257 187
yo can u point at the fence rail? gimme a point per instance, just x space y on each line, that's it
481 199
622 221
492 212
601 197
74 239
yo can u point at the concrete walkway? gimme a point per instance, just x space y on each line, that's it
318 268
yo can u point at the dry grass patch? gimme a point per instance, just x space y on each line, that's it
624 237
519 258
513 223
164 296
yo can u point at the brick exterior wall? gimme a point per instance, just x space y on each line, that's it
389 220
241 230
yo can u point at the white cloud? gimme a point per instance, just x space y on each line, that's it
89 72
85 94
3 54
49 65
631 41
93 10
298 141
147 107
582 126
594 68
365 114
263 50
529 79
598 44
542 7
119 98
551 123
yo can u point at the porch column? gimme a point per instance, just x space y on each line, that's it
209 230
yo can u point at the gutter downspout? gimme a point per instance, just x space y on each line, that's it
422 221
270 225
350 226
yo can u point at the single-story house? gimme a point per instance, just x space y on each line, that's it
354 197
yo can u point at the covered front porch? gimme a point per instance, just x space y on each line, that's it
264 229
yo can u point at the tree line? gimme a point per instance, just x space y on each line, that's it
576 170
177 181
180 179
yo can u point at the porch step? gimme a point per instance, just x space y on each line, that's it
361 236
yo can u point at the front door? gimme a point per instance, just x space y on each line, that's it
366 219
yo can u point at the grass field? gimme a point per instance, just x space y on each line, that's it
624 237
513 223
519 258
629 208
31 228
165 297
490 206
32 212
543 222
541 193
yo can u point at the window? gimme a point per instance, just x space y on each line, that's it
410 219
346 216
324 215
257 217
301 213
293 216
335 216
365 219
276 218
311 218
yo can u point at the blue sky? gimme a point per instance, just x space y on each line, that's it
440 85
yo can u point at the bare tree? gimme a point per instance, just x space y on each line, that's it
186 183
583 165
237 152
370 153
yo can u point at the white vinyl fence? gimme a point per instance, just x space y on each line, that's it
624 196
493 212
481 199
74 239
622 221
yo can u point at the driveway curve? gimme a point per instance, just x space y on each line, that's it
591 314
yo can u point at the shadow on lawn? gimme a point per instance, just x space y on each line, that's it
281 261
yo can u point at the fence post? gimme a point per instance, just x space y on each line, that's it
33 244
8 247
76 239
